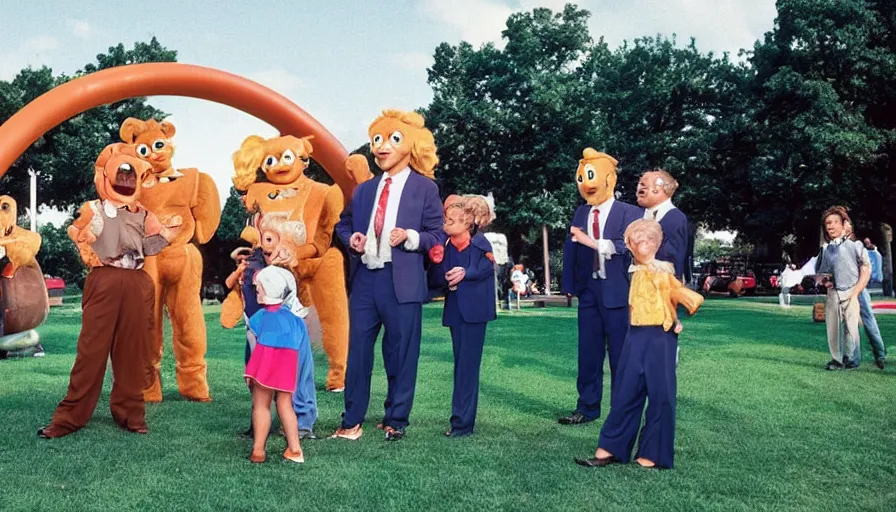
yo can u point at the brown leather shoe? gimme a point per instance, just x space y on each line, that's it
352 434
294 456
257 457
51 432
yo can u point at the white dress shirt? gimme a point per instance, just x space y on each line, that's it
604 209
375 256
605 248
659 211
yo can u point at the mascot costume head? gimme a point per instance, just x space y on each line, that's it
400 139
596 176
152 142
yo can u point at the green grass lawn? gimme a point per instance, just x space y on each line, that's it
760 427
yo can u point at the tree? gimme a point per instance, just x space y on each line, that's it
58 255
233 218
64 156
513 121
825 90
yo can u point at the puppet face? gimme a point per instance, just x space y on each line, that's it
457 221
285 159
270 240
596 177
152 141
833 225
643 238
260 296
391 142
650 190
118 174
7 215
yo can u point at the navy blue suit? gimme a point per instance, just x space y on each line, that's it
392 297
675 241
603 303
466 313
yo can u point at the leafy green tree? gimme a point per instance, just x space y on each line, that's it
233 218
825 95
64 156
58 255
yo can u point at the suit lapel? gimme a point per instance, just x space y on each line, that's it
614 221
369 200
404 201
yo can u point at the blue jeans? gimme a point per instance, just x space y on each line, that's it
871 330
304 400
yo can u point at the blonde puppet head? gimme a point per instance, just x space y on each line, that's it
399 139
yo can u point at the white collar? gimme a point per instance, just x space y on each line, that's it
605 206
661 209
399 178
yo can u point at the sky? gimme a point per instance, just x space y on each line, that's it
341 61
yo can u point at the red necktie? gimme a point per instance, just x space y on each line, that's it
595 230
380 217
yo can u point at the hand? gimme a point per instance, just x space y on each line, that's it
455 275
582 237
397 237
357 242
171 225
437 253
828 284
241 268
678 327
281 256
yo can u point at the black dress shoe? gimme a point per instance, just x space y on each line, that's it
394 434
597 463
880 363
833 364
575 418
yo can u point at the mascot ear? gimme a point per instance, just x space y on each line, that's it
306 141
168 129
130 129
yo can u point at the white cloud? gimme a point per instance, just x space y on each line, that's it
79 28
475 21
32 52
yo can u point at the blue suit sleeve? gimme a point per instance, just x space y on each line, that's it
482 269
674 247
344 229
433 219
568 280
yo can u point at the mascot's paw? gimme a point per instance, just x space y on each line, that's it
436 254
153 394
358 168
231 310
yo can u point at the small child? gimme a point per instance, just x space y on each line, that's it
467 269
646 368
273 366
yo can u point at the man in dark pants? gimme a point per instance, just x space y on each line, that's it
391 221
655 191
599 278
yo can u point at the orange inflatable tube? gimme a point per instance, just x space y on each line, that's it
170 79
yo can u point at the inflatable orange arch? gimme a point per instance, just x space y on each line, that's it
169 79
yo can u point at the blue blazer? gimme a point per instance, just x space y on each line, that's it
578 259
675 240
419 209
475 293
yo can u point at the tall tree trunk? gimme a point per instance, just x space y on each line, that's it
885 246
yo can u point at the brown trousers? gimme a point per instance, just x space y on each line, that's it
117 308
